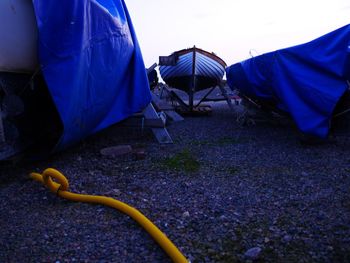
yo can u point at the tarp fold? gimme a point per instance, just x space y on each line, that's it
91 62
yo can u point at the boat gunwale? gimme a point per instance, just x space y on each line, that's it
206 53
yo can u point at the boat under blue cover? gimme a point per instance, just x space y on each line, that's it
192 70
92 64
305 81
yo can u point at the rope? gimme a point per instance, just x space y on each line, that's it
341 113
61 189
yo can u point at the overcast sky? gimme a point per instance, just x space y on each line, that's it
231 28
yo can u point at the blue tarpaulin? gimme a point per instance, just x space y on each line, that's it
92 64
306 81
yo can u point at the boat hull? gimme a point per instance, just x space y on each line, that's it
19 34
194 70
185 82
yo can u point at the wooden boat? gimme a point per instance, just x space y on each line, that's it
192 70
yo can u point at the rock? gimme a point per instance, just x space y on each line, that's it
286 238
253 253
186 214
139 153
330 248
116 150
212 251
222 217
113 192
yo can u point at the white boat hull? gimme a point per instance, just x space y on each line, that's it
18 34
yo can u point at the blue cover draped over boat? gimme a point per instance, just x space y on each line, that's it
305 81
92 64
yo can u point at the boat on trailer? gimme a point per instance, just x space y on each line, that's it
192 70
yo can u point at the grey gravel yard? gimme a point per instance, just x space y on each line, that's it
221 193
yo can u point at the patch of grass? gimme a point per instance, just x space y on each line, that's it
347 169
233 170
183 160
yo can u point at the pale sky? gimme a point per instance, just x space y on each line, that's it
231 28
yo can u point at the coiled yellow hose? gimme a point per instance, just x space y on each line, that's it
61 189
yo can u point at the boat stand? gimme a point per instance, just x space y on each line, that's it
162 105
185 108
181 106
223 96
150 118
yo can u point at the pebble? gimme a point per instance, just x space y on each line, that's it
253 253
286 238
186 214
222 217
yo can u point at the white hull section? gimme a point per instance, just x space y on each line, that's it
18 36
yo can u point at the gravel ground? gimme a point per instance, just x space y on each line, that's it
221 193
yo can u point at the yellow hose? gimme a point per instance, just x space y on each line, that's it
61 188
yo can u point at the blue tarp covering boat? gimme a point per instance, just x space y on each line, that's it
305 81
92 64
